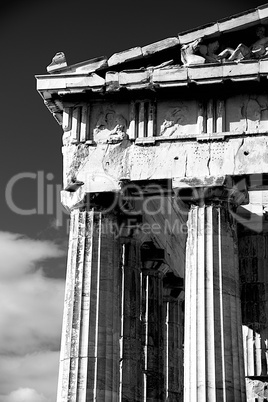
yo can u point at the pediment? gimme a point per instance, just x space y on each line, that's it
229 32
176 61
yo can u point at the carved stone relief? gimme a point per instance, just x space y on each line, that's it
200 52
110 126
247 113
176 119
173 118
189 53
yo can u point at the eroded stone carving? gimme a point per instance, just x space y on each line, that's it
174 118
58 62
110 127
251 112
257 50
209 51
198 53
247 113
189 53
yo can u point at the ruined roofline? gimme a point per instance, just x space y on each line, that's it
157 65
153 78
233 23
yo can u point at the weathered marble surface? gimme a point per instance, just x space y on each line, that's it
122 330
214 367
106 166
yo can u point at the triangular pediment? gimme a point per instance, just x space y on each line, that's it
193 56
231 31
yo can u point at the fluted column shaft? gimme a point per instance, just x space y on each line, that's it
89 361
131 378
173 340
213 355
152 336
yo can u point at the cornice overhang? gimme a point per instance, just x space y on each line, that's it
54 87
152 67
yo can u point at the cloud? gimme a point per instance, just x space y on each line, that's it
31 303
24 395
19 254
38 371
31 314
30 319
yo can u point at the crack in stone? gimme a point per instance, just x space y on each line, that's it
209 159
235 156
186 163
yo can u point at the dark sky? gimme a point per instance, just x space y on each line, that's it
31 33
32 266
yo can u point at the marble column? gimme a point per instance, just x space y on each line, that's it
213 353
89 361
131 378
173 353
152 335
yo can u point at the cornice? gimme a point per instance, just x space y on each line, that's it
154 66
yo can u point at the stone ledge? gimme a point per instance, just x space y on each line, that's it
56 82
171 76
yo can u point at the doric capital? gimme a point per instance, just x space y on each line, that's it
79 199
73 200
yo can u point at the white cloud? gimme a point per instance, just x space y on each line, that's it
37 370
24 395
31 307
30 314
19 254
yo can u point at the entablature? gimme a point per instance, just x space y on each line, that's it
175 109
54 88
217 114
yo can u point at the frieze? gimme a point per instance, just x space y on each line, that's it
247 113
110 127
174 118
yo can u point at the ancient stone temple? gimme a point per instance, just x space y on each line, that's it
165 177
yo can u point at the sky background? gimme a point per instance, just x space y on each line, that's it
33 227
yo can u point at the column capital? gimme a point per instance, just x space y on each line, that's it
107 202
226 190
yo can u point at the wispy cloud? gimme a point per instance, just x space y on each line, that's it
24 395
38 371
19 254
30 319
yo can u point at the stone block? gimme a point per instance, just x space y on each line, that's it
126 55
160 45
170 76
202 31
137 78
239 20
